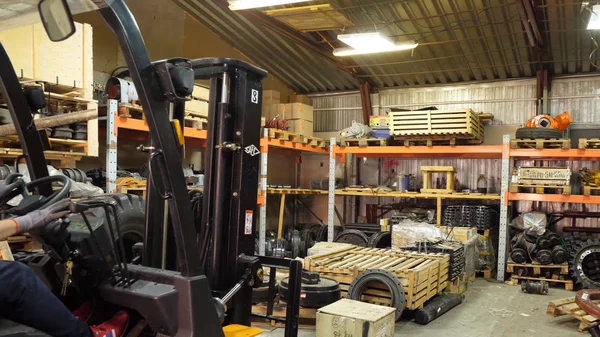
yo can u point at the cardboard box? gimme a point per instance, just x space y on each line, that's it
301 127
353 318
200 93
197 108
271 95
279 109
460 234
299 111
300 99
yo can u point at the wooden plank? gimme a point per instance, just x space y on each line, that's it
281 211
5 252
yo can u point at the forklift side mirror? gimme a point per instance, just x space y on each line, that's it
57 19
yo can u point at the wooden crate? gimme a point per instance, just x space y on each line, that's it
422 275
587 190
460 284
543 175
567 306
364 142
540 188
589 143
461 123
428 181
554 274
541 143
436 140
460 234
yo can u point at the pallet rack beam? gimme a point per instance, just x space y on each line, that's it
479 151
556 154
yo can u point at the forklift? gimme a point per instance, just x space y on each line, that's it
207 289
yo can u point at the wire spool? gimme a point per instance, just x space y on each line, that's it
559 255
381 240
352 236
378 280
544 256
314 294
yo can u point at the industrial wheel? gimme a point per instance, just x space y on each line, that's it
131 212
317 295
322 234
586 264
379 279
381 240
353 236
537 133
308 238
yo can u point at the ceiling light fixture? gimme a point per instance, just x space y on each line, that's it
369 43
594 22
236 5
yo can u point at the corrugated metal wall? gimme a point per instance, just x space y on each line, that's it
511 102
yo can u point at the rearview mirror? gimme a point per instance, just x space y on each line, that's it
57 19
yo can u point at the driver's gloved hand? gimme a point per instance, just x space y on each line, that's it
42 217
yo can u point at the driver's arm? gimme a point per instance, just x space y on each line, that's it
35 219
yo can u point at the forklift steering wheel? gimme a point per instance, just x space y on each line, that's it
14 186
55 196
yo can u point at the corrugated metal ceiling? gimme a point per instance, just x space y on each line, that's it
460 40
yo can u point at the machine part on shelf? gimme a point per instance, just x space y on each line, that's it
555 239
294 244
314 294
36 99
352 236
482 217
261 294
380 240
518 255
62 133
121 90
78 135
437 307
521 271
53 121
75 174
535 287
529 133
322 234
586 264
277 123
323 183
559 255
308 239
543 242
357 130
279 249
370 277
586 299
546 122
543 256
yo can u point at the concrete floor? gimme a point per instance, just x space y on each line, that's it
490 310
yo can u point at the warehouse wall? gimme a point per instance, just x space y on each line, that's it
512 103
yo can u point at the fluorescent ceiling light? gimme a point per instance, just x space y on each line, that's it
594 22
369 43
236 5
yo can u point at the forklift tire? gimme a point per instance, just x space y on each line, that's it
131 212
537 133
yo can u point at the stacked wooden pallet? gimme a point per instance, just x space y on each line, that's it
589 143
557 143
443 127
422 275
567 306
555 274
542 178
298 138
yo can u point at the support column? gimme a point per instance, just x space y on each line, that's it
111 146
262 218
503 229
331 198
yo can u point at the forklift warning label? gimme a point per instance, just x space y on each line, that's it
248 223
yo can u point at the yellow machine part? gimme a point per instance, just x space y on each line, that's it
560 122
236 330
590 177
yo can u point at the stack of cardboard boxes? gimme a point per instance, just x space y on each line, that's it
298 114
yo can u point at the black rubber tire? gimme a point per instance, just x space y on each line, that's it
322 234
360 284
537 133
381 240
360 238
587 278
131 211
308 238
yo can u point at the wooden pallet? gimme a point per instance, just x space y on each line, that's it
307 316
196 123
485 273
460 123
460 284
298 138
555 143
589 143
422 275
540 189
364 142
437 140
554 274
567 306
